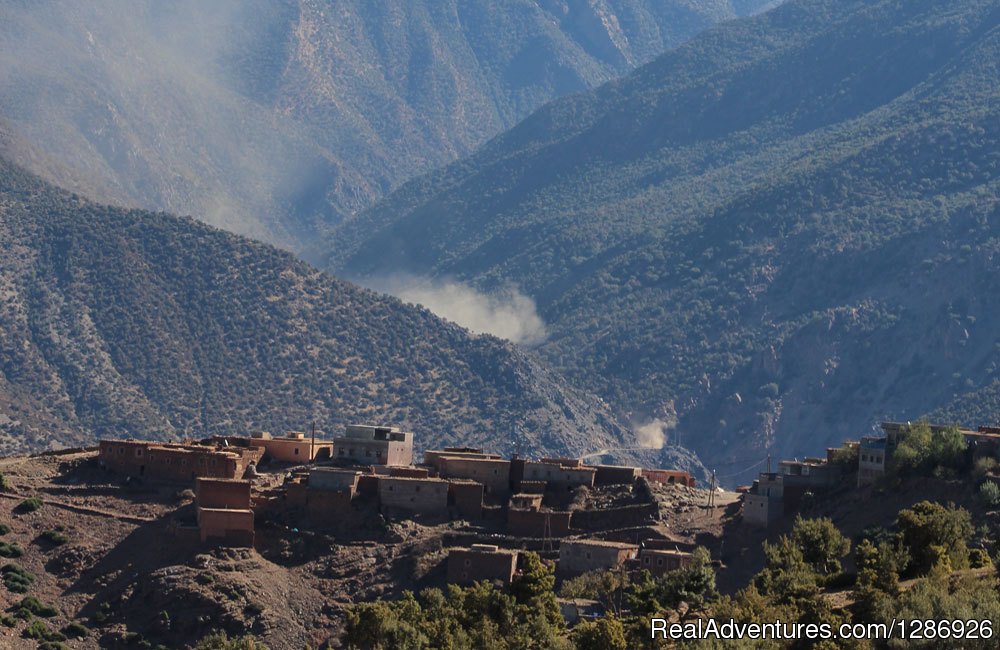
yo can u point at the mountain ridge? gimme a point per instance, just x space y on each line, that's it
686 229
124 322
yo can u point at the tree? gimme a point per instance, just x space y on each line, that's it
693 584
607 633
923 452
821 543
933 532
534 588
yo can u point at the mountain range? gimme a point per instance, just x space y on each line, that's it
118 322
775 234
277 119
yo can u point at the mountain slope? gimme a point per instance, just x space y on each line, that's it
778 232
116 322
275 119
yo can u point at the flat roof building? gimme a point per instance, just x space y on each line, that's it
481 563
659 561
293 447
558 475
427 496
224 513
374 445
176 462
578 556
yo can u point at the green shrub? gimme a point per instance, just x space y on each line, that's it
37 607
989 492
979 559
30 504
4 484
39 631
10 549
52 645
16 579
53 537
75 630
4 529
103 614
7 620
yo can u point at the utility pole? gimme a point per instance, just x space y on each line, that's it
312 444
769 463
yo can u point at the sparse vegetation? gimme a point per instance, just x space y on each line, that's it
53 537
222 641
4 529
16 579
37 607
39 631
989 492
10 550
75 630
31 504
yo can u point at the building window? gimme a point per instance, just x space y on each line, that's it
468 562
659 561
296 451
138 451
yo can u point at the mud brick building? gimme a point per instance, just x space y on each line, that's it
578 556
493 473
659 561
373 445
615 475
667 476
559 474
176 462
333 479
465 498
294 447
432 457
426 496
524 522
224 513
481 562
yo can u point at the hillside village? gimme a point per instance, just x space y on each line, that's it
368 475
356 517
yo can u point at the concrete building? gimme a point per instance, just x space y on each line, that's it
872 456
223 512
764 503
176 462
659 561
578 556
493 473
559 476
814 473
373 445
427 496
293 447
481 562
